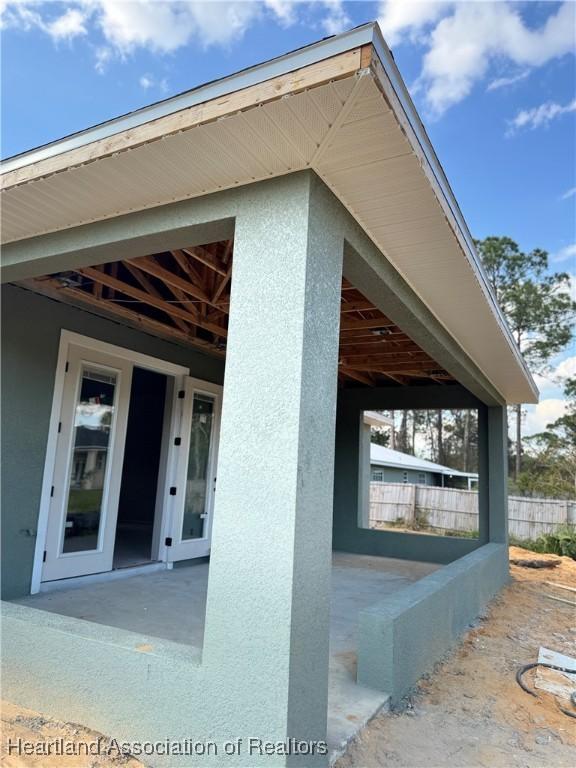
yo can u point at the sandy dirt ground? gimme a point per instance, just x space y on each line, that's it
470 712
22 724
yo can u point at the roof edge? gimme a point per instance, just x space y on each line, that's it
367 34
465 238
281 65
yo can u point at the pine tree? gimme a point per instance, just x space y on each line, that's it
536 304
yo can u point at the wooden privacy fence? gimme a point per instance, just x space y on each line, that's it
449 509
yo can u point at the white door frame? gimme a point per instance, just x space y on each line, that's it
60 564
190 548
89 344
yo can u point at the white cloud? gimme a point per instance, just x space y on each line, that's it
539 116
464 39
569 193
551 385
163 26
149 81
565 254
400 18
566 369
102 56
166 26
284 10
27 14
71 24
504 82
537 417
336 19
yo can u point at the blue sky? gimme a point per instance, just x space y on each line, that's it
495 83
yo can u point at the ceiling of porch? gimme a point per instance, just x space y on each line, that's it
184 295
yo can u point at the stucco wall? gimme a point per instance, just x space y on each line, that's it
31 326
264 666
351 532
402 637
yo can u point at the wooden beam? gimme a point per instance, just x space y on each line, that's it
97 288
223 283
377 346
179 295
357 306
186 266
228 251
333 68
147 264
362 377
143 281
368 336
428 368
146 298
398 379
366 324
366 52
388 357
206 258
113 267
81 298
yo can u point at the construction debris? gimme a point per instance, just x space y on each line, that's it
560 683
536 563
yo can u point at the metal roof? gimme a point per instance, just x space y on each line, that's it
386 457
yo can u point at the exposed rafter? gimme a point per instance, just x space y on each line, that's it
184 295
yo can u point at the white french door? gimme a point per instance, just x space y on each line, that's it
88 464
89 422
195 471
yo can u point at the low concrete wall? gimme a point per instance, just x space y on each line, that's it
130 687
402 637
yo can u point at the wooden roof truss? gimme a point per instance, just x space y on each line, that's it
184 295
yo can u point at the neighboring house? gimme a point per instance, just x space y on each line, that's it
291 225
388 466
89 460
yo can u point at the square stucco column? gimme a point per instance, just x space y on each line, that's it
267 619
493 474
497 449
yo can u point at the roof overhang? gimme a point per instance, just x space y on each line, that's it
339 107
378 420
418 465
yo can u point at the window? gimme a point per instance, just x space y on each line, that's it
377 476
404 477
421 478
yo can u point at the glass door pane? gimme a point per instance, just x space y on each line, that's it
197 479
91 444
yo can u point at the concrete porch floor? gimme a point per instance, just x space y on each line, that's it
171 605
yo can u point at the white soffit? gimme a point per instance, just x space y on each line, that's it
348 133
265 141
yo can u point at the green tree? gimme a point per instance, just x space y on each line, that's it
551 459
536 304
